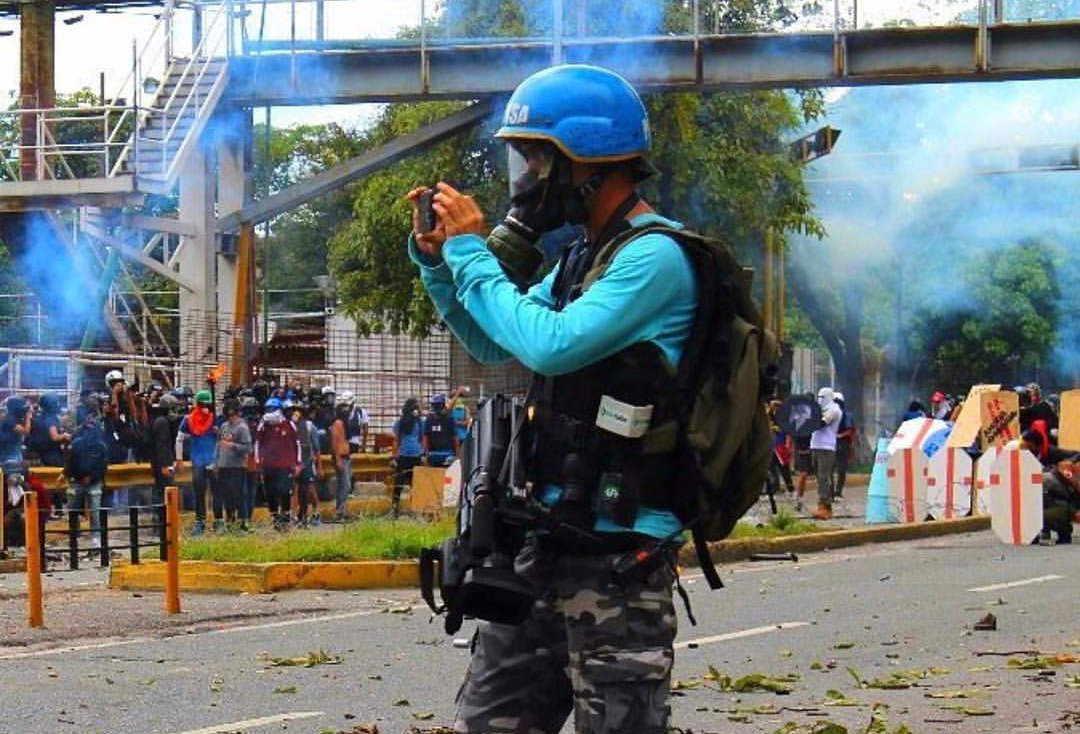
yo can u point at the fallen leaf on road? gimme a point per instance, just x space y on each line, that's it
970 710
316 657
836 698
953 694
285 689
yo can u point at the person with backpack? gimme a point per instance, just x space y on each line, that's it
601 352
87 462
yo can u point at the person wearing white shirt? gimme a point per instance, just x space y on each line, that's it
823 450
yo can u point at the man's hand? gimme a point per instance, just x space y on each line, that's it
458 213
429 243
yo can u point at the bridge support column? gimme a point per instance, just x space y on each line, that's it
37 39
233 141
198 263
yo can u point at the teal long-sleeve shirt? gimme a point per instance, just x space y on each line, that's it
646 294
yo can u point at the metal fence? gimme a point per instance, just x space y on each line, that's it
308 350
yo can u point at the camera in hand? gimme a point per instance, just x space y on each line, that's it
426 206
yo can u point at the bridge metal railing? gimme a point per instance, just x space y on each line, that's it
104 141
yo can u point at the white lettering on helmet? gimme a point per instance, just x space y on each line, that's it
517 114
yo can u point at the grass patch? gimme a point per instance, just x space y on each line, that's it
781 524
371 539
367 539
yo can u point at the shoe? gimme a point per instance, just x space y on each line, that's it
316 520
799 506
95 542
199 527
822 513
219 526
244 527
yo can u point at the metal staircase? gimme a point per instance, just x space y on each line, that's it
184 99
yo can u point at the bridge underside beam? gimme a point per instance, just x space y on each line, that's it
392 72
363 165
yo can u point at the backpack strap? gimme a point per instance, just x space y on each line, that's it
718 300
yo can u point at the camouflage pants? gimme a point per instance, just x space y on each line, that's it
601 650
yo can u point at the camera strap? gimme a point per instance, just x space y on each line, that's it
428 558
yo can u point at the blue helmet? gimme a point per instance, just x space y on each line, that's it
591 114
273 404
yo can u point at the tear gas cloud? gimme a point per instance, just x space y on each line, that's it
925 177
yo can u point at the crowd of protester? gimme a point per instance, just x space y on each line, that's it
249 445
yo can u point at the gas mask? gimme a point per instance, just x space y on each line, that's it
543 199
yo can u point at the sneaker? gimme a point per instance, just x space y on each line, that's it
199 527
799 506
316 520
823 512
245 527
219 526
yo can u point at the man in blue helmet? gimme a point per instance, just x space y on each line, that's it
578 137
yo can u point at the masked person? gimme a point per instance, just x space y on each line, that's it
198 428
577 138
277 454
823 450
163 427
440 436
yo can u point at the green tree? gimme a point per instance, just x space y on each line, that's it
1010 322
724 167
298 241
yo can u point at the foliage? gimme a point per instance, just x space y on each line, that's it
1011 319
723 166
296 249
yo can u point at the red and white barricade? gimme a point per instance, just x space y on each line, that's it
452 484
1015 483
948 484
981 471
906 475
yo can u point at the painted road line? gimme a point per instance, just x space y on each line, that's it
220 631
753 631
291 622
252 723
1024 582
73 648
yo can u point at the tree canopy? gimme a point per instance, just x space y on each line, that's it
723 161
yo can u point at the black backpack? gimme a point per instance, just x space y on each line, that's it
89 455
727 371
38 441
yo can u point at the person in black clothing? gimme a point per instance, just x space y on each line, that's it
86 465
162 439
440 434
1061 500
845 444
47 436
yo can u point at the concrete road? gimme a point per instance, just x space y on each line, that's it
888 629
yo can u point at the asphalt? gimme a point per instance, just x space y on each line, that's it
848 527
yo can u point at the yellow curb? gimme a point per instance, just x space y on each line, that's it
262 578
727 551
